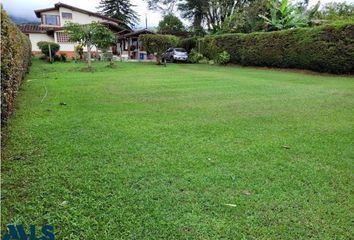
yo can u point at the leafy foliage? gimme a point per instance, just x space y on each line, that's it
121 10
323 49
212 13
247 19
79 51
223 58
44 47
15 62
188 43
93 34
336 11
157 44
170 24
283 15
195 56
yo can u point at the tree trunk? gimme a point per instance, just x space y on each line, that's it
158 59
89 55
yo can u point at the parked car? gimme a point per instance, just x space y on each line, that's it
176 54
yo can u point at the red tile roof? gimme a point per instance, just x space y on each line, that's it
32 28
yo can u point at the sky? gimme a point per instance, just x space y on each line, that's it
25 8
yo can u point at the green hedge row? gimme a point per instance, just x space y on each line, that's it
188 43
15 61
323 49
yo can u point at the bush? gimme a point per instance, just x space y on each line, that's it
188 43
195 57
107 56
323 49
157 44
63 57
79 51
223 58
44 47
15 61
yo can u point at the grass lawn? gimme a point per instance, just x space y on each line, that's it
183 152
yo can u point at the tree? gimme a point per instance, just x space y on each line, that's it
335 11
49 49
165 6
209 13
247 19
194 10
283 15
170 24
121 10
157 44
90 35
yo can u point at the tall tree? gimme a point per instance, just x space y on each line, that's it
246 19
203 13
170 24
195 11
121 10
166 7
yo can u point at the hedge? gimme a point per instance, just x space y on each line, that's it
188 43
323 49
16 59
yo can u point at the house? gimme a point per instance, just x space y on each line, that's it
130 46
53 20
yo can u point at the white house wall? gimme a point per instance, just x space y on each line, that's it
37 37
78 17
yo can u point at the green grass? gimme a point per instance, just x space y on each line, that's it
183 152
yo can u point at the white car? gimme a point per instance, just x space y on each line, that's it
176 54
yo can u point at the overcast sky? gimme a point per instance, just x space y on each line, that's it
24 8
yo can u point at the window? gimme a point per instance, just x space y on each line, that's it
51 20
62 37
67 15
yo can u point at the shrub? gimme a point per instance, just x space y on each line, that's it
323 49
15 62
195 57
204 60
223 58
63 57
157 44
44 47
79 51
107 56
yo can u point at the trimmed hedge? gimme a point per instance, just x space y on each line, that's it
323 49
188 43
15 61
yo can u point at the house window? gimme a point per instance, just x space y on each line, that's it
67 15
51 20
62 37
